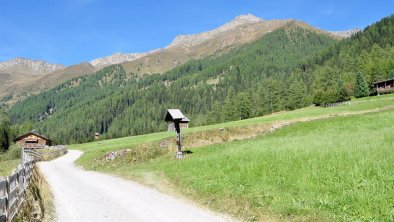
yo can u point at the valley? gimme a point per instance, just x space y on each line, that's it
288 122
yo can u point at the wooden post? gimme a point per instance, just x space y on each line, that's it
179 154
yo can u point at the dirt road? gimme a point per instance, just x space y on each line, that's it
91 196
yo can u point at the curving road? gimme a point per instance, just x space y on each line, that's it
91 196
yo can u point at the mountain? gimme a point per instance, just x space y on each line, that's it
18 73
243 29
187 41
23 85
118 58
55 78
116 103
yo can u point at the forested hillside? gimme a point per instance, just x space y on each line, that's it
370 52
283 70
117 104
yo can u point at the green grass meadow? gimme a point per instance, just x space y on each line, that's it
333 169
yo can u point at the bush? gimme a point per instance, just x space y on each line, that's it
13 153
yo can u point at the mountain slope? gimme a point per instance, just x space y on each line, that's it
370 52
55 78
243 29
20 72
115 103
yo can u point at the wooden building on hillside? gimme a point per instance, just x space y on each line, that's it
385 86
33 140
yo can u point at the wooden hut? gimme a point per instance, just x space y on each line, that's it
33 140
385 86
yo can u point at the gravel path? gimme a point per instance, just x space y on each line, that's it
91 196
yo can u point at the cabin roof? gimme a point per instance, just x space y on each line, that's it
31 133
383 81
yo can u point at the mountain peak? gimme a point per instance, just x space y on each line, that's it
248 18
190 40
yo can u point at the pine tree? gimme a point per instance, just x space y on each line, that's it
5 131
230 106
297 95
361 87
244 106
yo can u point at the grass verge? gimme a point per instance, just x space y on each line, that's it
39 203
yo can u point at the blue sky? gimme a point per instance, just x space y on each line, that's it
72 31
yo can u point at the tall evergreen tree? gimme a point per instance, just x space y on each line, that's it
230 106
244 106
361 88
5 131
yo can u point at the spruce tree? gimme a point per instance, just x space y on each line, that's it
5 130
244 106
361 87
230 106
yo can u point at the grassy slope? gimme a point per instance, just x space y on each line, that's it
338 168
7 166
127 142
9 160
331 169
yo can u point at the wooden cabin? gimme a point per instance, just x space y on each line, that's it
385 86
33 140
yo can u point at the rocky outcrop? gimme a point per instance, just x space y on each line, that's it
29 66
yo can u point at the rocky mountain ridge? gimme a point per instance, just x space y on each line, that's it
117 58
29 66
191 40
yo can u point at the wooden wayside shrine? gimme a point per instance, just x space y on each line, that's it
176 117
